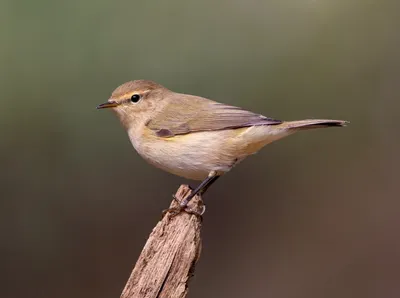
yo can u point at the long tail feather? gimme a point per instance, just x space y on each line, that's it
313 123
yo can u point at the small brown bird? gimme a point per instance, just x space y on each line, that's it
192 136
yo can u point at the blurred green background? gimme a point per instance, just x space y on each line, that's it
313 215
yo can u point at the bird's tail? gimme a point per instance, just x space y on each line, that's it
259 136
312 123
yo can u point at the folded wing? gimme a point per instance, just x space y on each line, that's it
194 114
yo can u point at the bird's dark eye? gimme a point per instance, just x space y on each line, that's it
135 98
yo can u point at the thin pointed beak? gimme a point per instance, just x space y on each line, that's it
108 104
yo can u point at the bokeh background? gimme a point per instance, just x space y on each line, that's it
313 215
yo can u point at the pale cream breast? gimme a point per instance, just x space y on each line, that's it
195 155
192 156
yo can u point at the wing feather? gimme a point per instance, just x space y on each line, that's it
186 113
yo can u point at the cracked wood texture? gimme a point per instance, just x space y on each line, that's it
168 259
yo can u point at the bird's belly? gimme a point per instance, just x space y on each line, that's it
192 156
195 155
188 166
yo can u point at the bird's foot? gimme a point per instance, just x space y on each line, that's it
174 211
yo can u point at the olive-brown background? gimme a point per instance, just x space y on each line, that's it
313 215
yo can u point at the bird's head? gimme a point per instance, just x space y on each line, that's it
134 100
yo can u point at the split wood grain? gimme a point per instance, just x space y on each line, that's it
168 259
